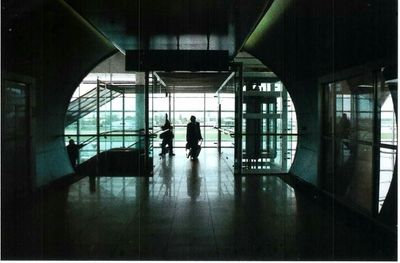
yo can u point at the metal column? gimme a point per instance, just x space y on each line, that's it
146 124
238 119
78 139
284 128
98 116
123 118
219 126
376 149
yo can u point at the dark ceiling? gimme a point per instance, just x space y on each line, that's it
155 24
169 25
186 82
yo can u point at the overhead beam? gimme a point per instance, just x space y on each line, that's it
160 79
177 60
224 83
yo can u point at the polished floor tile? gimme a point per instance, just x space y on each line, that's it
189 210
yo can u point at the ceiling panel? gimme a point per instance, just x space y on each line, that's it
189 82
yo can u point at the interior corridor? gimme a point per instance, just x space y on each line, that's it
189 210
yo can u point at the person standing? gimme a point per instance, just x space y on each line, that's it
343 129
73 152
167 135
193 136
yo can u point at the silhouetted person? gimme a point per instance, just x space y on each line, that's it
344 158
193 136
344 127
166 137
73 152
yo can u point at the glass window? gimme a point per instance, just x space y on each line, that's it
71 129
212 137
130 102
106 106
387 113
83 89
211 102
189 103
349 171
180 133
183 118
116 104
130 120
387 164
159 103
87 124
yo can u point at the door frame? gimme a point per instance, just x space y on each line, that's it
29 82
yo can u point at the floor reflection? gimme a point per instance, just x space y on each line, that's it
193 180
92 183
189 210
166 174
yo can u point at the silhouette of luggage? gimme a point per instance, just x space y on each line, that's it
194 153
197 151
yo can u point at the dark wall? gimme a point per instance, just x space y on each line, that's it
304 40
49 42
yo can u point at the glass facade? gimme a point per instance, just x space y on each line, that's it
204 106
117 125
359 140
122 116
119 121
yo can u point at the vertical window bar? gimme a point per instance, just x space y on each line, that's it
376 148
78 122
98 116
123 118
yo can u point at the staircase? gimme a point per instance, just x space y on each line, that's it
87 103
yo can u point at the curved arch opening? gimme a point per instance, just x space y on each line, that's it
81 123
268 120
388 141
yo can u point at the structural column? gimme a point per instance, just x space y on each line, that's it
239 118
219 126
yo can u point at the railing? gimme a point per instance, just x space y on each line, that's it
232 133
140 133
110 133
87 103
93 137
229 132
159 132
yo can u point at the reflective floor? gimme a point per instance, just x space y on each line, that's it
189 210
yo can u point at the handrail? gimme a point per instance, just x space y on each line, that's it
110 132
225 131
273 134
161 131
154 134
232 133
93 137
133 144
